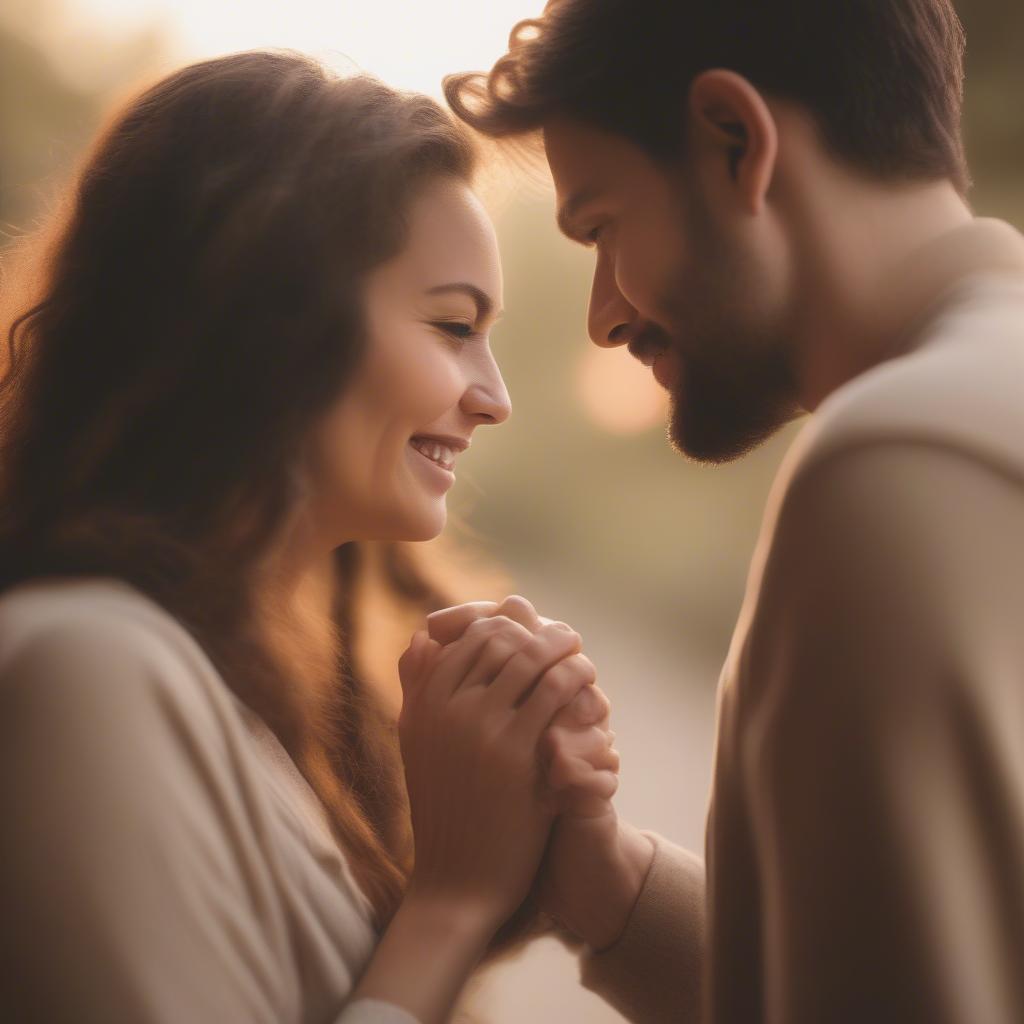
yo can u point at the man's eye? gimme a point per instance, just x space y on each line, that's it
456 328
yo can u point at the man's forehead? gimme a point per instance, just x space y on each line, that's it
586 162
574 151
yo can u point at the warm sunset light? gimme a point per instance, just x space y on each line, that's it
618 393
409 45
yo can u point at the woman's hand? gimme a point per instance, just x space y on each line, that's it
472 719
595 864
580 766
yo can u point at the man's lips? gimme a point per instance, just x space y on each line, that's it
657 356
650 345
665 370
645 354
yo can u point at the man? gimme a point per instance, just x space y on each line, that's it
775 193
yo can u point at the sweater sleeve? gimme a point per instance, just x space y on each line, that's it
882 742
652 974
133 881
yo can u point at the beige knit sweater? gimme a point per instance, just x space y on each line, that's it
162 861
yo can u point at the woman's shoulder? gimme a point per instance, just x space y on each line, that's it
103 638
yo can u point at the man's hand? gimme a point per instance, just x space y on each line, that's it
595 865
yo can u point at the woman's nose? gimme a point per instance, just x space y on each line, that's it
486 399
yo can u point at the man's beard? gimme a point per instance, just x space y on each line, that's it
725 404
736 384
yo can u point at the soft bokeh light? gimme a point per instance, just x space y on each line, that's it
618 393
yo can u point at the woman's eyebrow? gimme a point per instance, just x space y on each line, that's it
484 303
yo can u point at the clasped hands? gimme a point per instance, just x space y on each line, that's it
511 772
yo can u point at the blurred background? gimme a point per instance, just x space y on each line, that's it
578 497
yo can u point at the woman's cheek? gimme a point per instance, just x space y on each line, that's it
436 385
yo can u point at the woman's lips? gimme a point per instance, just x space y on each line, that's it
438 452
437 472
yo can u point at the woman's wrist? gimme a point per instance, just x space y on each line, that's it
469 920
427 953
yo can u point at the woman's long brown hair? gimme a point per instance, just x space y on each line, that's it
199 310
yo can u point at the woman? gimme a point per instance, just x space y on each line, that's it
261 338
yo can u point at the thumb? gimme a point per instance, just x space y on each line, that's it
410 664
448 624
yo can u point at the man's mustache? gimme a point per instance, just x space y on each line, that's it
651 341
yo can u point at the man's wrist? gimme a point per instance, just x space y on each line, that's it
593 887
633 859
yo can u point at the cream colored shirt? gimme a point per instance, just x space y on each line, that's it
162 860
865 845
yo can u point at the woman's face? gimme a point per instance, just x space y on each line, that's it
384 457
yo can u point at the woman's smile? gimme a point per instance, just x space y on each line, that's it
437 456
440 450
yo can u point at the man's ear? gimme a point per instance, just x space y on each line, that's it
731 123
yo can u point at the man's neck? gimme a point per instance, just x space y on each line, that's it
887 262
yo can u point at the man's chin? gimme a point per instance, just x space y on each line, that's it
716 436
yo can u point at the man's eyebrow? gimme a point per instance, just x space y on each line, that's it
569 210
484 303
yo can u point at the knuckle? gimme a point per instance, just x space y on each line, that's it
583 668
590 705
484 626
554 741
497 647
554 631
559 683
555 639
586 664
560 772
514 603
510 628
596 739
564 772
566 718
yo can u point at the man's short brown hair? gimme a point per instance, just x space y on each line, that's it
882 78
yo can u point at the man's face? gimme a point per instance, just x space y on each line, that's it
688 284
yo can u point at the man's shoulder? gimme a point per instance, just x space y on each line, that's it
961 388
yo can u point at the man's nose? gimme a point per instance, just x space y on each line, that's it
610 318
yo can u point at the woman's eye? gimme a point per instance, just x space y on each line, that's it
456 328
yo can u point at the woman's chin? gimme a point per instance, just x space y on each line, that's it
422 525
419 523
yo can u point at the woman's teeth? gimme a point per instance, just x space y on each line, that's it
439 453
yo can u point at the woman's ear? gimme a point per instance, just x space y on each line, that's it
731 125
